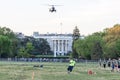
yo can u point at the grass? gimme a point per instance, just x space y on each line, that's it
54 71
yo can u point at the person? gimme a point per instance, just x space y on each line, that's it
104 63
71 65
113 65
109 62
118 64
100 62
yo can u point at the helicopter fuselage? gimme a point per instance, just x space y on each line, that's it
52 9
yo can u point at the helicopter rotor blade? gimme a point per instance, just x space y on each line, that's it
52 5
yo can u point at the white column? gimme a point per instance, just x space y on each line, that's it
54 48
66 46
58 45
62 47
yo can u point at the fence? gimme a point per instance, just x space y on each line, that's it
44 60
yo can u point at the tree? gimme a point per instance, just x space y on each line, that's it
97 45
97 51
82 49
90 47
111 36
41 46
76 36
5 44
76 33
29 47
7 32
118 47
9 35
23 53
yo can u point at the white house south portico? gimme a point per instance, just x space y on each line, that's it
60 44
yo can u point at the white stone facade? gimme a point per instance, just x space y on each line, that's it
60 44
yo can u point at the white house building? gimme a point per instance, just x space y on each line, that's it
60 44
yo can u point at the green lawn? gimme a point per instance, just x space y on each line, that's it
54 71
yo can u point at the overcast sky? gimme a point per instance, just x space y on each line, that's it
90 16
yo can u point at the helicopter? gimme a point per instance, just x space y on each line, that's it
52 9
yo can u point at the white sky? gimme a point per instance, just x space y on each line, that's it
90 16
